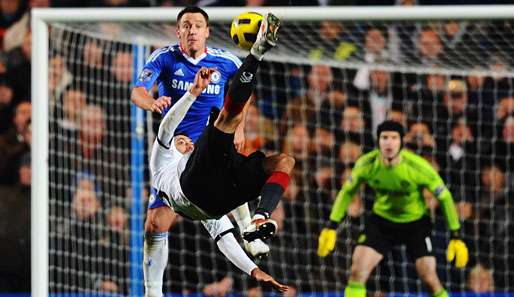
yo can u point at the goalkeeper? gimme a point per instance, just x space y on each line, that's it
399 214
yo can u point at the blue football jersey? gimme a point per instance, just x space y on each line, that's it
174 72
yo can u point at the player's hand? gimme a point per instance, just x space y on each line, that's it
262 276
326 241
202 80
458 251
239 138
160 104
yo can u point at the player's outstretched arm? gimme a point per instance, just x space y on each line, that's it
142 99
221 231
327 238
262 276
177 113
229 246
457 250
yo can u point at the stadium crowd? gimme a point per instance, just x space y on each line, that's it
323 116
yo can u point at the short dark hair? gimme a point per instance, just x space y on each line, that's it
193 9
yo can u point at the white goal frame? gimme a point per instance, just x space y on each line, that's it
40 97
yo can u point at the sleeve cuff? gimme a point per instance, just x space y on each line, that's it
332 224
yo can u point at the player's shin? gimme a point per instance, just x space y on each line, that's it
272 192
354 289
242 86
155 258
262 226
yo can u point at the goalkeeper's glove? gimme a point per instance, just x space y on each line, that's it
457 250
327 239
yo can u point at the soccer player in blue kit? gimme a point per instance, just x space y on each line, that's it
173 69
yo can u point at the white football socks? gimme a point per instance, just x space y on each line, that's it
155 259
242 216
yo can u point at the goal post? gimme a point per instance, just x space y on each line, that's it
140 44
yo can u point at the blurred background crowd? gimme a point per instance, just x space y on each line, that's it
322 114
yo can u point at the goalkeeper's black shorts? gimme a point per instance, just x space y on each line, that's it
382 235
217 178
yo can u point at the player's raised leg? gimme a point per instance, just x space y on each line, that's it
243 82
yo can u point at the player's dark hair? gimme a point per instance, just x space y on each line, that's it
390 126
193 9
178 133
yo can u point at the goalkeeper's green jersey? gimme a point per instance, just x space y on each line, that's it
398 188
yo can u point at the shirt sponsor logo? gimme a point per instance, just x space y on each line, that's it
145 75
186 85
179 72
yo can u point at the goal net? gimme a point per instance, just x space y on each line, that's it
336 74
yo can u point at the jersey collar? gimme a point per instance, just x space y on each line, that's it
191 59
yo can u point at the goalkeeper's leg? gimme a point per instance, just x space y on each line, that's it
155 254
426 269
364 261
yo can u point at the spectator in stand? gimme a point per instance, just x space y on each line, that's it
480 279
374 52
15 231
18 67
430 48
498 85
419 138
503 149
378 93
73 102
323 143
481 96
297 144
93 54
353 126
396 114
13 37
460 161
253 136
333 42
332 109
59 78
15 143
10 12
306 108
219 288
115 245
494 221
455 107
6 106
76 239
505 108
460 43
122 67
349 151
427 96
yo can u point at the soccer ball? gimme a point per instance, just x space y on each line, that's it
244 29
